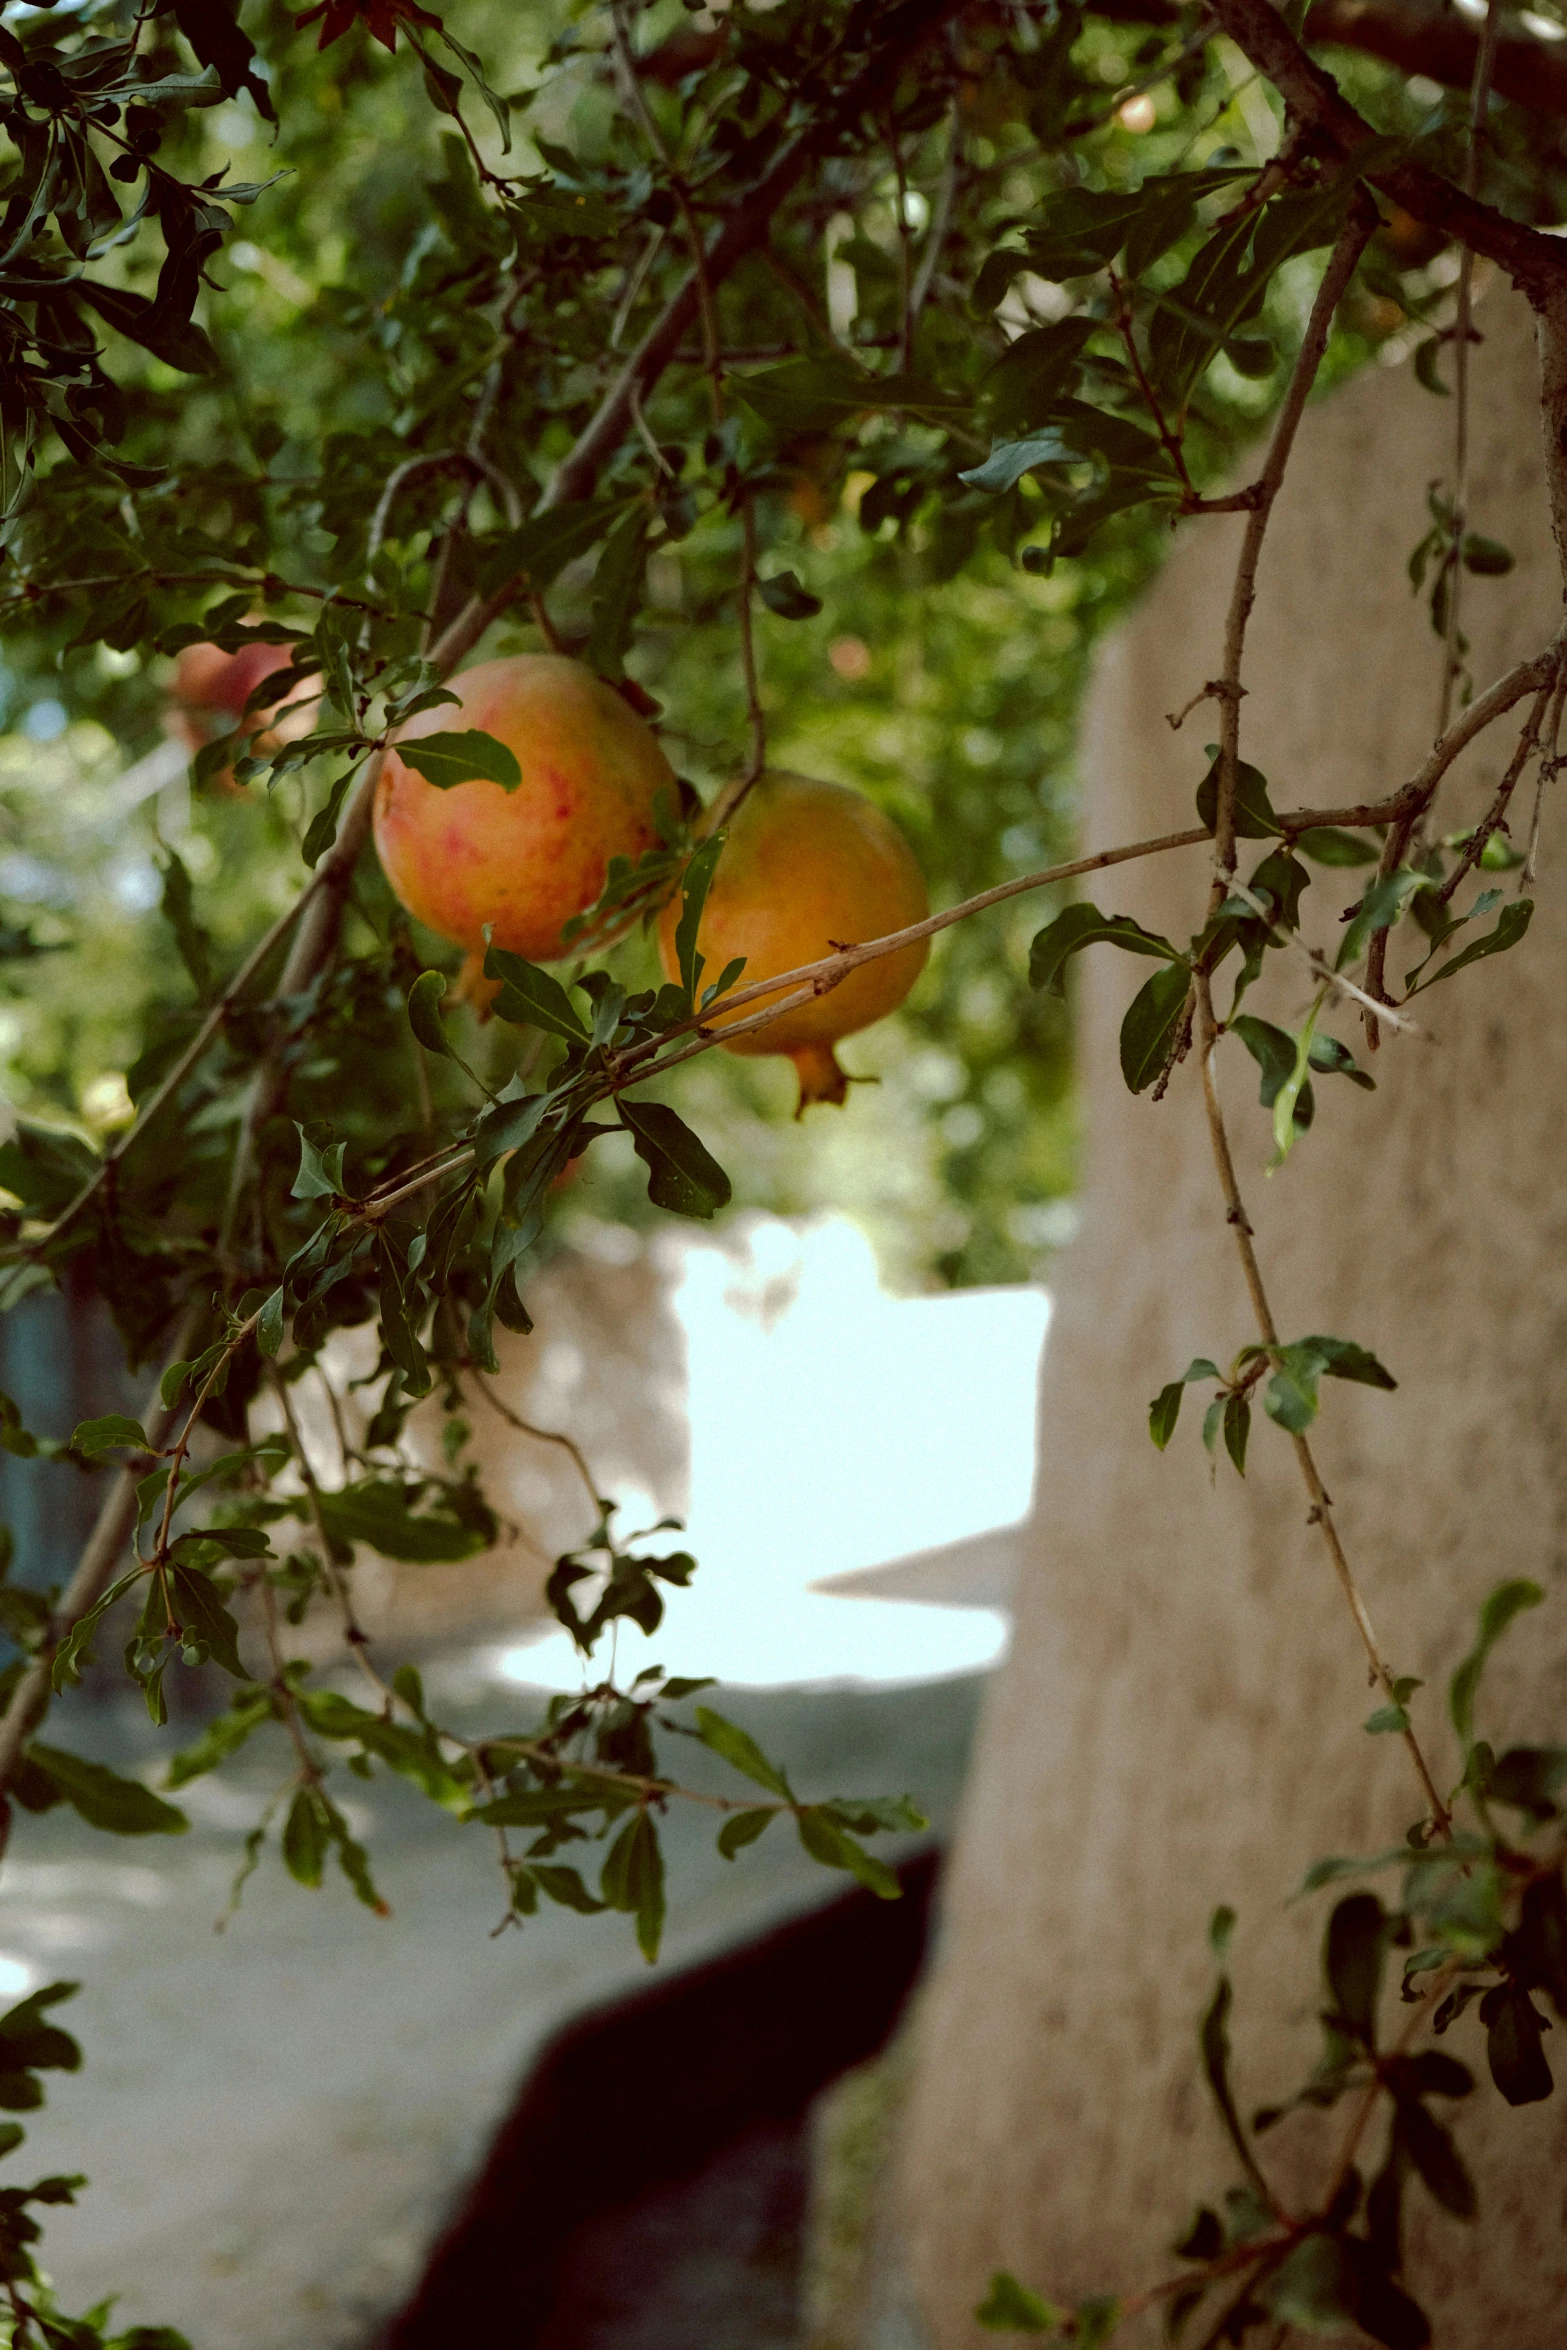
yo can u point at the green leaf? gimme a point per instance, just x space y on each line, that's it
1511 924
1325 844
1287 1102
565 1886
220 1739
783 594
322 829
1237 1429
633 1879
1505 1602
683 1175
466 757
1153 1024
695 883
269 1325
92 1437
1254 817
121 1806
1386 1720
204 1617
424 1012
320 1171
306 1836
742 1828
1010 2308
1008 461
1165 1409
740 1749
379 1513
1083 926
835 1848
1379 909
531 998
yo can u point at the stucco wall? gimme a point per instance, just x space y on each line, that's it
1180 1721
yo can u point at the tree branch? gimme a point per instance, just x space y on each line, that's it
1536 264
748 224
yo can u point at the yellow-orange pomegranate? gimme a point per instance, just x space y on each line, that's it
526 860
809 866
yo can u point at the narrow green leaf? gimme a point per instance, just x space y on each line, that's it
269 1325
306 1837
104 1800
695 883
1511 925
469 756
740 1749
835 1848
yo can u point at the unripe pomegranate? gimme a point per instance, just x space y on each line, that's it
809 866
526 860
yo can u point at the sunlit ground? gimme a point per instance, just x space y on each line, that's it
833 1428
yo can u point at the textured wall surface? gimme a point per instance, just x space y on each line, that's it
1180 1721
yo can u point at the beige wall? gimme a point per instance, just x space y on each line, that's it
1180 1721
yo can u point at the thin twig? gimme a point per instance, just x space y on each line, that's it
1495 817
1321 1514
544 1436
1423 785
1463 334
1226 689
1319 965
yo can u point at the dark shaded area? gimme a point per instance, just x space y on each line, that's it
711 2259
652 2175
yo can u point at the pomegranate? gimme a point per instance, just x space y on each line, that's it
526 860
808 866
210 691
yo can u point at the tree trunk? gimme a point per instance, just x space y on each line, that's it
1180 1722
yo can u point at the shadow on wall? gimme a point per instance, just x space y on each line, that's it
649 2190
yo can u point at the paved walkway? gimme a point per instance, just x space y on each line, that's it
277 2120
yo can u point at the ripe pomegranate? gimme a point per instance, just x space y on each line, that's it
808 866
526 860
